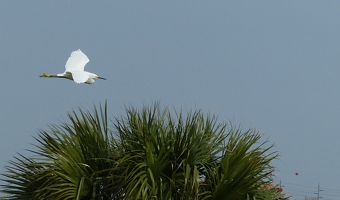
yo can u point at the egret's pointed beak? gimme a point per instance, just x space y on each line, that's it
101 78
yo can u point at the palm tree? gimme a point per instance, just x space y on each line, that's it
152 153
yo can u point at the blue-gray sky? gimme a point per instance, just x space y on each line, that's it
269 65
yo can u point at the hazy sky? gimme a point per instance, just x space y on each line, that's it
269 65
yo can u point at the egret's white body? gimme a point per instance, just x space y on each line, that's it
74 69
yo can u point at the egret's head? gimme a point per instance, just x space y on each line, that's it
44 75
92 77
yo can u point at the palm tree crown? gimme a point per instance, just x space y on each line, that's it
151 153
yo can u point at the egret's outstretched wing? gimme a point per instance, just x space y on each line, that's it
80 76
77 61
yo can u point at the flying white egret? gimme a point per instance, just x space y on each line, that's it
75 69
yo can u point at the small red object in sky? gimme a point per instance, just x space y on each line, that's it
296 173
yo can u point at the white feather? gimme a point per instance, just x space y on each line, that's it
80 76
76 61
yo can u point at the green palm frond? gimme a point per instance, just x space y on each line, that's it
244 165
151 153
71 162
166 151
